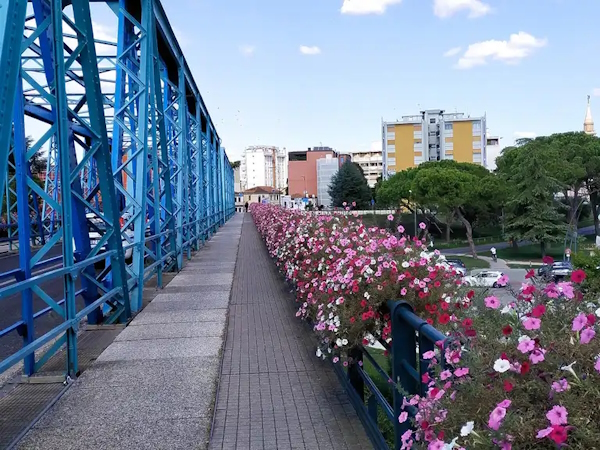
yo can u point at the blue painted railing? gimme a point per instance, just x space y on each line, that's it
411 336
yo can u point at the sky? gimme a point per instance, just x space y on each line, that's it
326 72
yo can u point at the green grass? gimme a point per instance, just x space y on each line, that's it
529 252
471 263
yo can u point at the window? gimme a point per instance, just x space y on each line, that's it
431 120
477 145
448 126
477 158
476 128
418 135
391 136
449 145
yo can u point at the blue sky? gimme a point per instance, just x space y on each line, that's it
385 58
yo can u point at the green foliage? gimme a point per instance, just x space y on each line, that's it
589 262
394 192
532 211
350 185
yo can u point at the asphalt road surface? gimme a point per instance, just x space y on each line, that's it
10 307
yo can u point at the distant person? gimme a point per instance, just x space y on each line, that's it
246 206
493 252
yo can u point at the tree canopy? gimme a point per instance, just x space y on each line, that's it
350 185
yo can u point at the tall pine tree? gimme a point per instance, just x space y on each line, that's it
350 185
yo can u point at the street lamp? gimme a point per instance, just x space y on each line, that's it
414 211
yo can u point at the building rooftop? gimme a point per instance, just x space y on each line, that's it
262 190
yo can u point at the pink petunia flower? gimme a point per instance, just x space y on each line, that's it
558 415
445 375
526 345
531 323
429 354
579 322
492 302
461 371
403 417
537 355
587 335
561 385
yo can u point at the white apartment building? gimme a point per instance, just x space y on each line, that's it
264 166
371 162
493 151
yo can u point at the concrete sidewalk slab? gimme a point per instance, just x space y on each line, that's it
154 387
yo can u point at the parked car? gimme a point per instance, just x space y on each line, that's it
556 271
458 266
97 228
486 278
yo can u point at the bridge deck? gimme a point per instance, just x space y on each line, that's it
154 386
274 393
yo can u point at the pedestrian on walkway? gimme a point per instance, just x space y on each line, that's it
493 252
246 206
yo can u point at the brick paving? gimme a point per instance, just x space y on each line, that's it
274 393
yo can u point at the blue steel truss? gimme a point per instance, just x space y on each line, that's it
136 177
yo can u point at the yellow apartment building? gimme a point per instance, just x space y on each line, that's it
432 135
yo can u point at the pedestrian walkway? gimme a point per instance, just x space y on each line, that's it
154 387
274 393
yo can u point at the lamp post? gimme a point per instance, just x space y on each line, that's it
414 211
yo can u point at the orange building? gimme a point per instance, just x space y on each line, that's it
302 170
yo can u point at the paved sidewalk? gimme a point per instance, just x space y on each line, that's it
154 387
274 392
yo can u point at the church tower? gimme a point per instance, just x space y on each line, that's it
588 122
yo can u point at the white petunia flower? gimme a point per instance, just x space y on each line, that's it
501 365
467 429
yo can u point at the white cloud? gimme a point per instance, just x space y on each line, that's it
452 52
359 7
306 50
596 92
447 8
517 47
247 50
525 134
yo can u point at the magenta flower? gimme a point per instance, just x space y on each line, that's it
532 323
561 385
579 322
461 371
492 302
403 417
587 335
557 415
496 417
502 281
537 355
526 345
429 354
445 375
400 229
422 226
390 217
597 365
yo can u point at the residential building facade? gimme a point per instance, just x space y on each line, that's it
492 151
262 194
326 169
371 162
432 135
263 166
302 170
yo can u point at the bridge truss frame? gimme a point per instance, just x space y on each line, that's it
130 144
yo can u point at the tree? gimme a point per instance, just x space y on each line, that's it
350 185
532 209
465 191
235 164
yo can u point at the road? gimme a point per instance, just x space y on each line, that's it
10 307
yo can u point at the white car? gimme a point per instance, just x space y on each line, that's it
485 278
95 236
